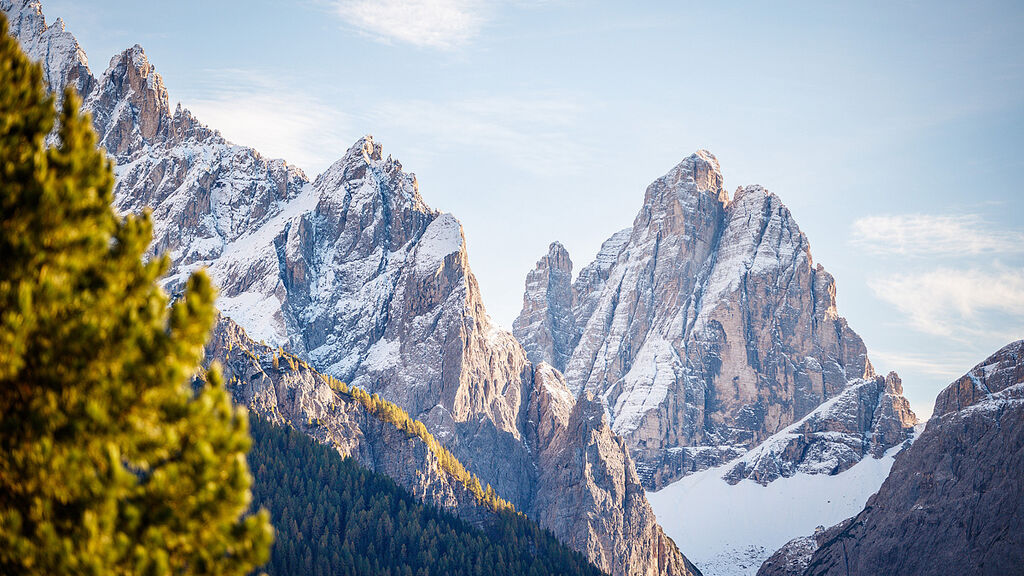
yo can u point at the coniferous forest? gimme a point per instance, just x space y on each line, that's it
332 517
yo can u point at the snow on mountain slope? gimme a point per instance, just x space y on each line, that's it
704 329
64 61
815 472
357 275
867 418
730 529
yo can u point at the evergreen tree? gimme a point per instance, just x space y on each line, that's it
377 527
109 462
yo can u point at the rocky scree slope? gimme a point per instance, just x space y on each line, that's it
354 273
703 329
953 502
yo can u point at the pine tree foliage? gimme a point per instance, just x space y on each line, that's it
395 415
109 462
333 517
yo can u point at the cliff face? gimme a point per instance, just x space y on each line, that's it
287 391
704 329
954 501
546 327
590 491
356 275
865 419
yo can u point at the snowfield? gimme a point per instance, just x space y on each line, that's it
730 530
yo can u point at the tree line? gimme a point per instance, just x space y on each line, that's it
333 517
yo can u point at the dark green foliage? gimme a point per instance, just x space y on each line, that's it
395 415
109 464
333 517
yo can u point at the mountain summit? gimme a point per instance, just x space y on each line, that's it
703 329
356 275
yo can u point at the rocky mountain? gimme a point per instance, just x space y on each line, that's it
815 472
546 326
953 501
64 62
575 443
867 418
356 275
287 391
703 329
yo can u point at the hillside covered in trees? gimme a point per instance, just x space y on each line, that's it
333 517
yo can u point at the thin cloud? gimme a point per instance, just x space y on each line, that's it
935 235
442 24
277 120
958 304
932 365
532 132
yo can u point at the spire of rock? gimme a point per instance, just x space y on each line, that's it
63 60
546 326
130 105
705 328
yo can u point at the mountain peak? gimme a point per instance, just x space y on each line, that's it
370 150
63 60
366 158
703 167
996 373
545 326
696 176
132 79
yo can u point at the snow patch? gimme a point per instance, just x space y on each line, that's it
730 530
646 385
382 355
442 237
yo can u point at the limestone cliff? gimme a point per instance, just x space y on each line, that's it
954 501
704 329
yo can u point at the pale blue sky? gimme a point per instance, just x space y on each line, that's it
894 131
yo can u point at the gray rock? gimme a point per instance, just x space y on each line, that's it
64 62
356 275
954 501
288 392
546 326
866 419
794 557
705 328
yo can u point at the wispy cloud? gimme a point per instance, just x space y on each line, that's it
440 24
958 304
933 365
532 132
277 119
935 235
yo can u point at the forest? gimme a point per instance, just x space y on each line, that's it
333 517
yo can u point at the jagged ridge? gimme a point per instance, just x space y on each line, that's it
952 503
705 328
356 274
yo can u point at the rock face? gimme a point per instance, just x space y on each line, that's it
546 327
288 392
865 419
793 558
704 329
586 453
355 274
954 501
64 62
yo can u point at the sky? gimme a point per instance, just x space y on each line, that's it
893 131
